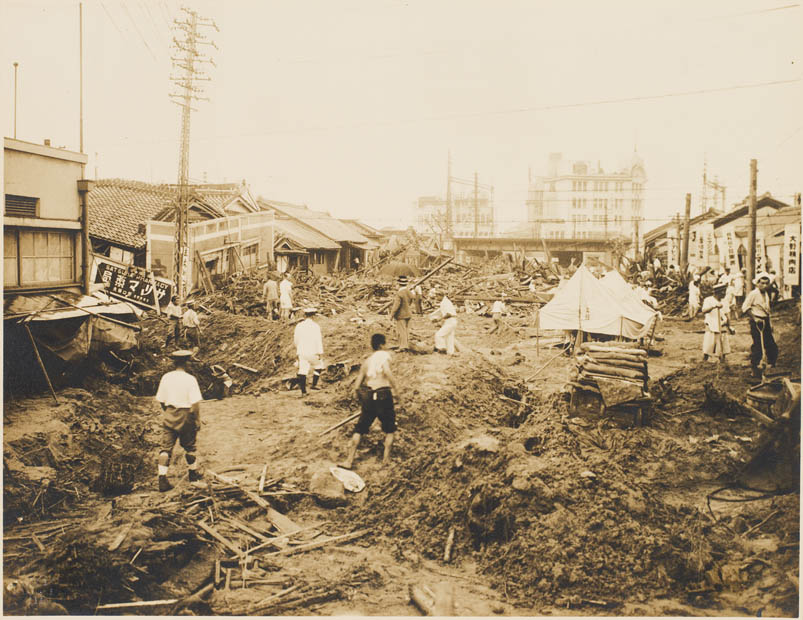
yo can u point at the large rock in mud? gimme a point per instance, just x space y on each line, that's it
328 490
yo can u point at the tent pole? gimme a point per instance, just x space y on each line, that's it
41 363
537 332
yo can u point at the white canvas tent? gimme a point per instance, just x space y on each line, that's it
586 305
628 299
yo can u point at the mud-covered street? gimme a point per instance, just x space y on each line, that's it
542 512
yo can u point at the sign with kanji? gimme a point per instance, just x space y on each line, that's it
791 254
760 255
731 252
132 283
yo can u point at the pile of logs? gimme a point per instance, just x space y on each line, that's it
612 361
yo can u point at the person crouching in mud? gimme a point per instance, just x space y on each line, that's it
376 399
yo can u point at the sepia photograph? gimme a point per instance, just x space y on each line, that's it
401 307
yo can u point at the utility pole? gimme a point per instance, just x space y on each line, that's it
684 257
751 242
81 80
187 84
678 236
476 207
449 197
16 64
704 196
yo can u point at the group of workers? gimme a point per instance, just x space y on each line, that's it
183 320
278 297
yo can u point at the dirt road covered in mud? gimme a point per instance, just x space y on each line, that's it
537 511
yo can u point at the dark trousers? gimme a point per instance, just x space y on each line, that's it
174 331
769 343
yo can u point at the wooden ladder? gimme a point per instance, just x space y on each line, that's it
206 279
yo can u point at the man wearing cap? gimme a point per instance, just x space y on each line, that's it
285 297
400 311
180 399
270 293
173 314
716 340
757 307
694 296
192 324
445 336
309 348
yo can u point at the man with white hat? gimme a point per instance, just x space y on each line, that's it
400 311
309 348
694 296
445 336
180 399
192 324
757 307
285 298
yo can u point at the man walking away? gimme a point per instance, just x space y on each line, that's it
376 399
270 293
694 296
738 289
192 324
716 341
173 314
400 311
285 297
445 336
180 399
309 348
496 312
757 307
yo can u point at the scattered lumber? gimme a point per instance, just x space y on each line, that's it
169 601
447 552
321 543
248 368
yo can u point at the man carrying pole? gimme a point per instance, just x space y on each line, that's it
400 311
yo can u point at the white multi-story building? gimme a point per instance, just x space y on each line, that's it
578 200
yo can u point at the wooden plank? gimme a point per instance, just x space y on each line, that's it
248 368
41 363
283 523
168 601
321 543
339 424
220 538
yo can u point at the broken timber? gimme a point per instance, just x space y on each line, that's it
419 281
321 543
721 400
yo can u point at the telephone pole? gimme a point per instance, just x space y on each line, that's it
476 207
751 241
684 258
16 64
189 91
449 197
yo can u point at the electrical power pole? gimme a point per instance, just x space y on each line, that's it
476 208
751 242
189 90
16 64
684 257
704 195
449 197
81 80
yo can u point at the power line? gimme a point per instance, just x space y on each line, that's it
144 42
109 15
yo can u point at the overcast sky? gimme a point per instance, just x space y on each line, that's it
351 107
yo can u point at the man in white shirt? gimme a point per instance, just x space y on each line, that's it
757 307
309 348
694 296
180 399
445 336
192 324
173 314
285 298
496 312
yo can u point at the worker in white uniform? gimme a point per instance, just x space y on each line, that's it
309 348
285 298
445 336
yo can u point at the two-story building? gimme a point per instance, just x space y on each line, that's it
42 218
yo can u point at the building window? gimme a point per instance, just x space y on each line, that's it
38 257
21 206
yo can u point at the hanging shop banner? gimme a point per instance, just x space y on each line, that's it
132 283
693 244
731 251
761 261
791 253
672 250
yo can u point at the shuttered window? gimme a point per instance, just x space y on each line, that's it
21 206
38 257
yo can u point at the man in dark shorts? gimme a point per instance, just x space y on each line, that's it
376 399
180 399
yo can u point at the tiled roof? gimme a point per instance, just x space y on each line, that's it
320 221
220 196
766 200
365 229
303 235
117 208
